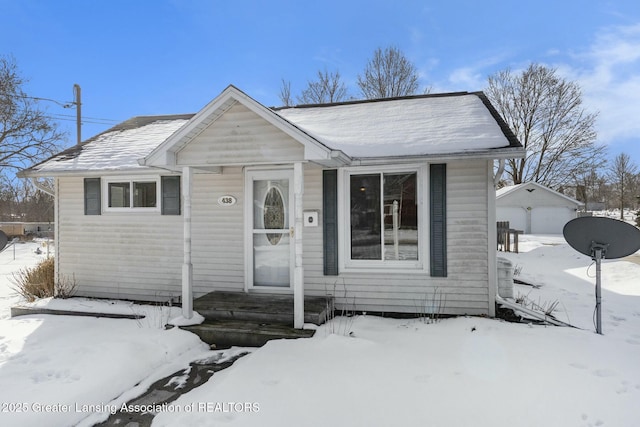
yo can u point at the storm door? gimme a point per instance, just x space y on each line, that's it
270 222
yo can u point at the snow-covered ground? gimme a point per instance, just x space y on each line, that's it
60 370
464 371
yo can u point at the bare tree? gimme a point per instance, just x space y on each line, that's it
388 74
590 187
328 88
545 112
27 135
622 175
20 201
285 93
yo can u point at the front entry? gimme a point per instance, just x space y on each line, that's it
270 249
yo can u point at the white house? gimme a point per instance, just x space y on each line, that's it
534 208
380 203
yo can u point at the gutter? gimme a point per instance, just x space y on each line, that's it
488 154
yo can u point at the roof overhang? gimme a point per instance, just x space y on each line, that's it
489 154
31 173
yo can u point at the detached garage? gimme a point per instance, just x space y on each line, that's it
534 208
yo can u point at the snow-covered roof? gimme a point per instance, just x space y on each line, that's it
117 149
506 190
416 126
510 189
457 123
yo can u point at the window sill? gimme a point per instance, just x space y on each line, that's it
131 210
386 269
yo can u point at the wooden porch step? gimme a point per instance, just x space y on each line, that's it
228 333
261 308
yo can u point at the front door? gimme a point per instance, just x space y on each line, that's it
269 222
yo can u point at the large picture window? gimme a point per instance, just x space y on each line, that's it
383 217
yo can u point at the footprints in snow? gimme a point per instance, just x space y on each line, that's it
623 387
64 376
595 423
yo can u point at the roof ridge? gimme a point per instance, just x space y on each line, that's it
374 100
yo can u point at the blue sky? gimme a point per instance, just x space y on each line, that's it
173 56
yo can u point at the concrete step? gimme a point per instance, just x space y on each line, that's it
228 333
261 308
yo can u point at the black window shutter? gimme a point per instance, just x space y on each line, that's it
438 219
330 221
170 195
92 205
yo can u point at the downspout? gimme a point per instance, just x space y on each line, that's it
42 188
492 256
531 313
499 172
52 193
493 238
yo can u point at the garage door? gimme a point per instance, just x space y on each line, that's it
517 217
550 220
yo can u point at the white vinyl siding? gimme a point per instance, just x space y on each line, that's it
130 255
465 288
218 232
240 137
139 256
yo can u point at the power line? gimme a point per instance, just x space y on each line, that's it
89 120
35 98
66 117
87 117
73 119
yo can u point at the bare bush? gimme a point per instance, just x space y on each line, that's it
37 282
40 282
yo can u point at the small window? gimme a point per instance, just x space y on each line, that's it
132 195
383 217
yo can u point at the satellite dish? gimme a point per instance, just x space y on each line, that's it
617 238
601 238
3 240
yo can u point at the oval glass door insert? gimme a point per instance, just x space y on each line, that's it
273 215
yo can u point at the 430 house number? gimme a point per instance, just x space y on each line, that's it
226 200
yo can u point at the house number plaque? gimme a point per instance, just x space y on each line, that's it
226 200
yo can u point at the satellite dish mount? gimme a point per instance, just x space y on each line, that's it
598 252
588 235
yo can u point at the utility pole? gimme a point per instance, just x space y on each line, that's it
77 100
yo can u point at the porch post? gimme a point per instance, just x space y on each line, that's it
298 273
492 253
187 267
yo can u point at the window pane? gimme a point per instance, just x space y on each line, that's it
365 217
144 194
400 217
273 214
119 195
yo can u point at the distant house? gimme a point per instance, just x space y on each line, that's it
534 208
380 203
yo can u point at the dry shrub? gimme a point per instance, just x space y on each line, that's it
39 282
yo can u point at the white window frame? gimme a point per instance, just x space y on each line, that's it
131 180
344 224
